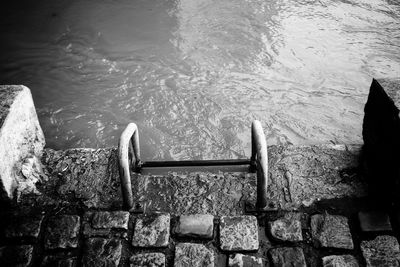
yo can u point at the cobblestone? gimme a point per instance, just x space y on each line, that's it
24 226
102 252
374 221
241 260
193 255
113 219
287 228
340 261
288 257
239 233
151 230
199 225
62 232
16 255
59 261
382 251
148 260
331 231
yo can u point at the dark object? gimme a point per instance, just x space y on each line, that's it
381 134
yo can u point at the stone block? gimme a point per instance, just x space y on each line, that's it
113 219
288 257
24 226
148 260
241 260
239 233
339 261
374 221
193 255
287 228
151 230
331 231
382 251
16 255
62 232
59 261
199 225
20 137
102 252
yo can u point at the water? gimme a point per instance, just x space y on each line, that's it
193 74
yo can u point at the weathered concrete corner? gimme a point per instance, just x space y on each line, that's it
20 137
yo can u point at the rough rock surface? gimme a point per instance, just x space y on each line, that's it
148 260
194 255
59 261
331 231
374 221
24 226
113 219
239 233
287 228
340 261
62 232
16 255
199 225
382 251
151 230
392 88
288 257
241 260
84 175
102 252
20 137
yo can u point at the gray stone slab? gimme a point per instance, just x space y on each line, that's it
287 228
331 231
16 255
198 225
113 219
382 251
24 226
59 261
148 260
241 260
340 261
287 257
62 232
102 252
374 221
151 230
239 233
392 88
193 255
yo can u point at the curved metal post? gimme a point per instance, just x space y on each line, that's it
128 141
259 154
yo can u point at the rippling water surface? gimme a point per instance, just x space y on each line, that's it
193 74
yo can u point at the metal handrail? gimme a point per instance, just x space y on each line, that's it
128 143
259 154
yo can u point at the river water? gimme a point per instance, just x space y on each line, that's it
193 74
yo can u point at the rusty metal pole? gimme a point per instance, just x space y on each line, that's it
259 151
129 139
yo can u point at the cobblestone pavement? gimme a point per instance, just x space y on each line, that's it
331 233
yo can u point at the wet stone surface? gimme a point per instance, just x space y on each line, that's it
62 232
59 261
102 252
241 260
194 255
287 257
148 259
287 228
374 221
112 219
151 230
331 231
339 261
199 225
16 255
239 233
382 251
24 226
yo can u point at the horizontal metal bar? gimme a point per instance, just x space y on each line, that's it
187 163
